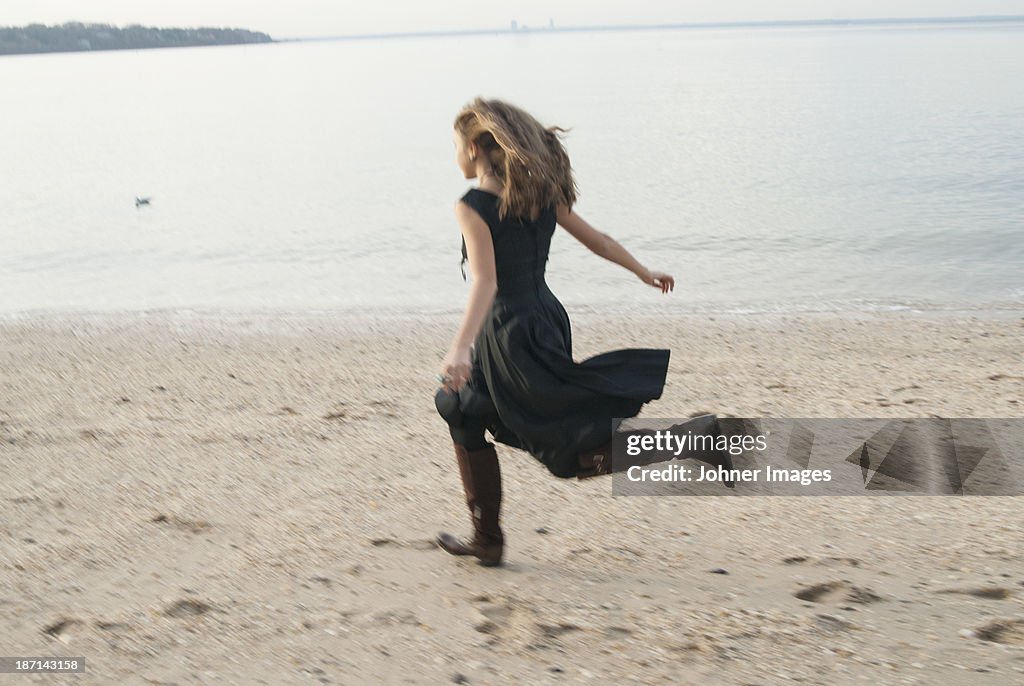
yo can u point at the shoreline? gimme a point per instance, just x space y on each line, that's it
999 312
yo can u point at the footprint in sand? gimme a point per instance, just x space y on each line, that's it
829 561
989 592
187 607
61 627
555 630
836 591
509 620
194 525
336 414
415 544
1003 631
505 619
494 614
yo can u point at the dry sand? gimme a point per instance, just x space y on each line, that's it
253 500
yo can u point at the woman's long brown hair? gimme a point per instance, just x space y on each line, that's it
528 157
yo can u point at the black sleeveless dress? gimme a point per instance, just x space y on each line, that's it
525 384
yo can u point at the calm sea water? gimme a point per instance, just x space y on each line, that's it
767 170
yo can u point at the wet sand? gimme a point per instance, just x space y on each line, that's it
253 500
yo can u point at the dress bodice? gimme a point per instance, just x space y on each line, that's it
520 245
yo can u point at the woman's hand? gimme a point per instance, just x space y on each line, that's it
455 369
658 279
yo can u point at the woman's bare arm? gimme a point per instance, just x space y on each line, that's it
610 249
483 286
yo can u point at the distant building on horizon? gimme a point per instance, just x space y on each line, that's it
515 26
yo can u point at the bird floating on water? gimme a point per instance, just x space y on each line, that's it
141 201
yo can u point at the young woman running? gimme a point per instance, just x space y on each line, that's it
509 369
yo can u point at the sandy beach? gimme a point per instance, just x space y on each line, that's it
253 500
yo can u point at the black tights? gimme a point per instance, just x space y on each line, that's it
470 435
466 429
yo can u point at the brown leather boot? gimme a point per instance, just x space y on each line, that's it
481 482
600 460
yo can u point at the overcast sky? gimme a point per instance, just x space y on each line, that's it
299 18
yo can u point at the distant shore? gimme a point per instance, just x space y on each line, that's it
783 24
79 37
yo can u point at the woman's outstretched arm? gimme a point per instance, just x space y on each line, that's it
484 284
607 247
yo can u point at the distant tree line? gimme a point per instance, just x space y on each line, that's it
75 36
